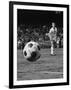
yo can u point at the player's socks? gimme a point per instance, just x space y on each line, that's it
52 50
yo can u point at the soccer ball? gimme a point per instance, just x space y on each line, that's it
31 51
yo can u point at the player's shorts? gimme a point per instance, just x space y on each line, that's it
53 38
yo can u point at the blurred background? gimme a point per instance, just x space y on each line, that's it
35 25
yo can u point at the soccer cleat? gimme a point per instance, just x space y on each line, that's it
53 54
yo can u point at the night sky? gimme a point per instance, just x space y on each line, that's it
39 17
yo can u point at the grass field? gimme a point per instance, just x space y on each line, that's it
47 67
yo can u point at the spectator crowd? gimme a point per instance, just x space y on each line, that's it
39 33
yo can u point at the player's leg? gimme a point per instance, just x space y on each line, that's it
52 48
54 44
52 39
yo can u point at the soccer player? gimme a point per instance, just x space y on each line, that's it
53 36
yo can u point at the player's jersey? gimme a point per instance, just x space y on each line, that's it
53 33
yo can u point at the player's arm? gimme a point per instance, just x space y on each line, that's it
50 33
56 31
55 34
